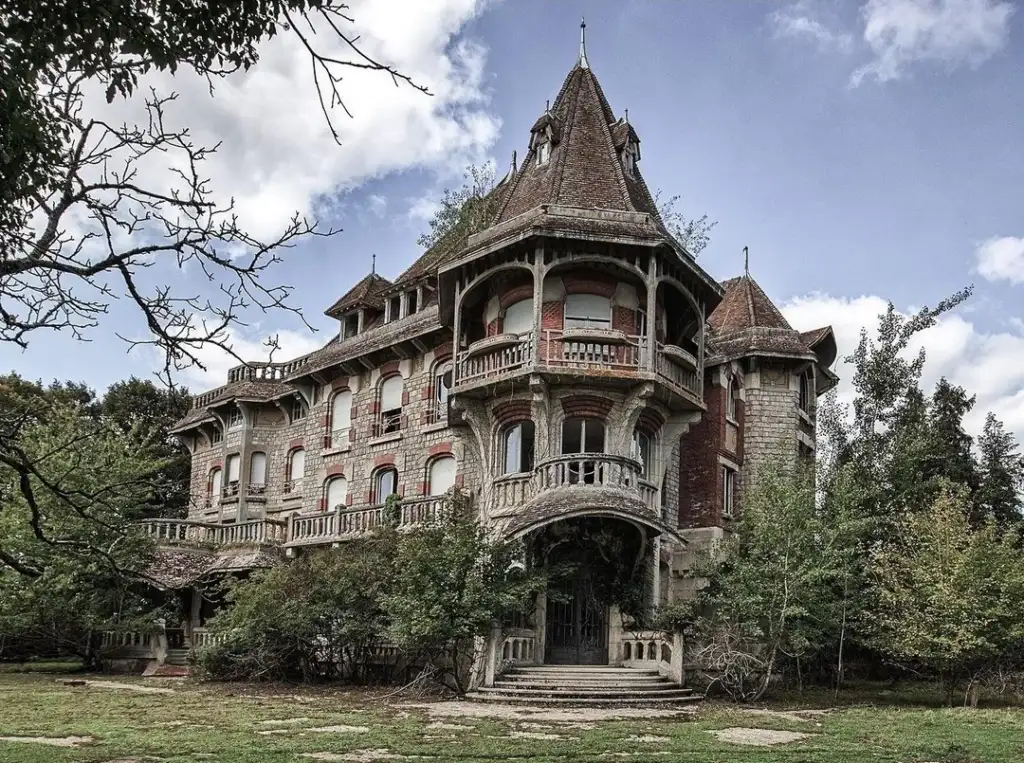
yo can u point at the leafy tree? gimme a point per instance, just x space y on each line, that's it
943 596
314 618
463 211
693 234
452 581
69 557
771 593
1001 470
950 447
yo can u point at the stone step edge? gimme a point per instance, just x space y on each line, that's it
668 691
584 701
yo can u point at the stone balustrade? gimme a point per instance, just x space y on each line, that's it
597 469
343 522
185 532
510 491
653 649
519 646
202 637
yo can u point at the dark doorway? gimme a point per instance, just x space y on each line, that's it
577 623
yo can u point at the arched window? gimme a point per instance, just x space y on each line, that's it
296 470
582 435
588 311
385 483
732 403
517 448
442 389
234 468
257 474
441 475
642 451
391 392
341 418
518 317
214 486
336 492
806 393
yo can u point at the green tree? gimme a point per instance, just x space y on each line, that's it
463 211
943 596
950 453
453 580
315 618
691 233
71 487
1001 469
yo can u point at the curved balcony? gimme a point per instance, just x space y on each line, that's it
342 522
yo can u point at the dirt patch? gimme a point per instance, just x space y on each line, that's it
442 726
757 737
534 735
284 721
71 741
268 732
648 739
532 713
803 716
360 756
341 729
118 686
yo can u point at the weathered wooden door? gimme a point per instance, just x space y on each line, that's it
577 624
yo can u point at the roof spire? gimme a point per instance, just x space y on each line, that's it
373 266
627 116
746 261
582 62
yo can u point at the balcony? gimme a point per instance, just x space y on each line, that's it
343 523
601 353
186 532
513 492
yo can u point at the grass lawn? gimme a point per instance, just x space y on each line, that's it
232 724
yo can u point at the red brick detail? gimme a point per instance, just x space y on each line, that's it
218 464
700 485
650 421
335 470
339 384
325 420
373 407
427 393
586 405
369 498
322 504
624 319
494 327
384 459
400 490
514 410
298 442
405 397
460 480
515 294
552 315
443 352
441 447
389 369
584 282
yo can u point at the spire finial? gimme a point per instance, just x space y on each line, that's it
746 261
627 116
373 265
547 106
582 63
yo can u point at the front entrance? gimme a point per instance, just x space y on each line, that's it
577 624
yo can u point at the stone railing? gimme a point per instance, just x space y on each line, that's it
188 532
680 368
201 637
519 646
132 641
649 493
592 349
493 356
597 469
511 491
343 522
265 371
653 649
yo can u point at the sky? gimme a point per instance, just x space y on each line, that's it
865 151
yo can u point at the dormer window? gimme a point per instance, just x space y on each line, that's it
543 154
351 326
411 303
630 155
394 309
299 409
235 419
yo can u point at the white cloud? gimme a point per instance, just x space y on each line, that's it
948 32
377 204
253 348
797 21
989 365
1001 259
277 155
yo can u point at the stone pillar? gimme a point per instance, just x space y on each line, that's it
538 270
652 314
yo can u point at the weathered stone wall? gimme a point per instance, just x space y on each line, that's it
772 432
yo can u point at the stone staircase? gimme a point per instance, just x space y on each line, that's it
583 685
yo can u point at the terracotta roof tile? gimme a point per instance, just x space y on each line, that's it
745 305
366 293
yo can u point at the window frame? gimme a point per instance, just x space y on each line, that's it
378 474
524 457
583 435
389 420
335 478
543 153
439 402
431 464
728 491
804 394
646 464
217 437
299 405
212 493
236 419
291 482
338 434
530 324
586 321
732 400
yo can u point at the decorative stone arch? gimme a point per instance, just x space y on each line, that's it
482 279
574 260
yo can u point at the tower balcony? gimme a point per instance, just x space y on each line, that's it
598 354
575 481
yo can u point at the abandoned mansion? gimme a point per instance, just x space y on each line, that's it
566 365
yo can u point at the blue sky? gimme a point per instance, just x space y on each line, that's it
864 151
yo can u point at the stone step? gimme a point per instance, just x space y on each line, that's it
532 683
634 701
581 669
666 691
177 657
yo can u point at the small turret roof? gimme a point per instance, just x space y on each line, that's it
366 293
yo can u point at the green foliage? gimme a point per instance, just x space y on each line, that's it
693 234
71 488
463 211
311 619
453 580
1001 469
943 595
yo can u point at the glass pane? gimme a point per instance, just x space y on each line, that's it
258 469
337 492
572 436
216 481
519 317
593 439
391 393
583 310
385 484
513 448
233 464
526 463
442 476
298 466
341 411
